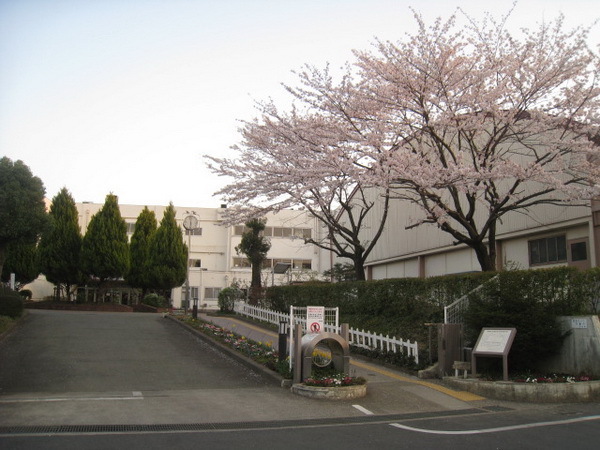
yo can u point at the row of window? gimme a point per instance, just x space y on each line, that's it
269 263
210 293
286 232
554 250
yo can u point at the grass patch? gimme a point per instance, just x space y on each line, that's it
6 323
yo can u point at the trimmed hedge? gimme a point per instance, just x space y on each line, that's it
398 307
11 303
529 300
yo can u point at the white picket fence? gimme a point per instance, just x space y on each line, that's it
359 338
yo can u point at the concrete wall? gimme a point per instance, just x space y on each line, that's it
580 352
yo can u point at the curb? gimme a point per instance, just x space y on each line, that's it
580 392
330 393
273 376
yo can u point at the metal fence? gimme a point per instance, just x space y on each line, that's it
454 312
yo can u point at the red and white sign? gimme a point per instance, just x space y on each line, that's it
315 319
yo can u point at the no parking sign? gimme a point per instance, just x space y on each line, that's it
315 319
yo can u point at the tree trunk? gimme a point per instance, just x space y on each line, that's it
359 270
485 257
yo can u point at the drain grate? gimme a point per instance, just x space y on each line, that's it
191 427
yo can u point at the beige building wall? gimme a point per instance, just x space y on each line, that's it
427 251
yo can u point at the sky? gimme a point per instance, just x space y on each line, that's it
126 96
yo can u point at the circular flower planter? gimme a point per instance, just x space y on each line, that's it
330 393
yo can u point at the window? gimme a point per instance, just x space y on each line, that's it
238 230
302 264
193 293
195 262
194 232
241 262
579 251
282 232
548 250
304 233
212 293
130 227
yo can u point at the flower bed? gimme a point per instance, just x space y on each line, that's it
338 380
263 353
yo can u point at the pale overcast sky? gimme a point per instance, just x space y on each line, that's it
125 96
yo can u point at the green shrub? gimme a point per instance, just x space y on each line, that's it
155 300
26 294
11 304
227 298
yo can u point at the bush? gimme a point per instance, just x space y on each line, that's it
227 298
529 301
11 304
155 300
26 294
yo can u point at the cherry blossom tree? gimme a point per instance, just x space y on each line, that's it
306 159
469 123
486 123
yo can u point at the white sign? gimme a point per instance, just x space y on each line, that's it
493 341
315 319
579 323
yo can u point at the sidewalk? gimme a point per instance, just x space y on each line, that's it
385 384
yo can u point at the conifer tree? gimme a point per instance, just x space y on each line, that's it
22 209
22 260
168 254
60 247
105 251
139 273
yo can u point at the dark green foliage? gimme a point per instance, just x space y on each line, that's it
529 301
105 252
155 300
255 247
139 274
11 304
22 209
168 254
227 298
22 260
398 307
25 294
60 247
341 272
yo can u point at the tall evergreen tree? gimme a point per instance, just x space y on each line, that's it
105 250
22 260
168 253
139 273
255 246
60 247
22 209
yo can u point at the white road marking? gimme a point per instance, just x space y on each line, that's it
363 410
498 429
69 399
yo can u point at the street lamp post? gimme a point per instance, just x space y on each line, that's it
189 223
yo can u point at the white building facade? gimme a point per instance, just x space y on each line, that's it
213 261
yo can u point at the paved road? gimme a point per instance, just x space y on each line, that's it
72 368
103 380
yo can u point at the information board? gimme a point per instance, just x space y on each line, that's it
494 341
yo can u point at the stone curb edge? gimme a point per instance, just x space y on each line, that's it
274 376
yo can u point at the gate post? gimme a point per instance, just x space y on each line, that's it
450 346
